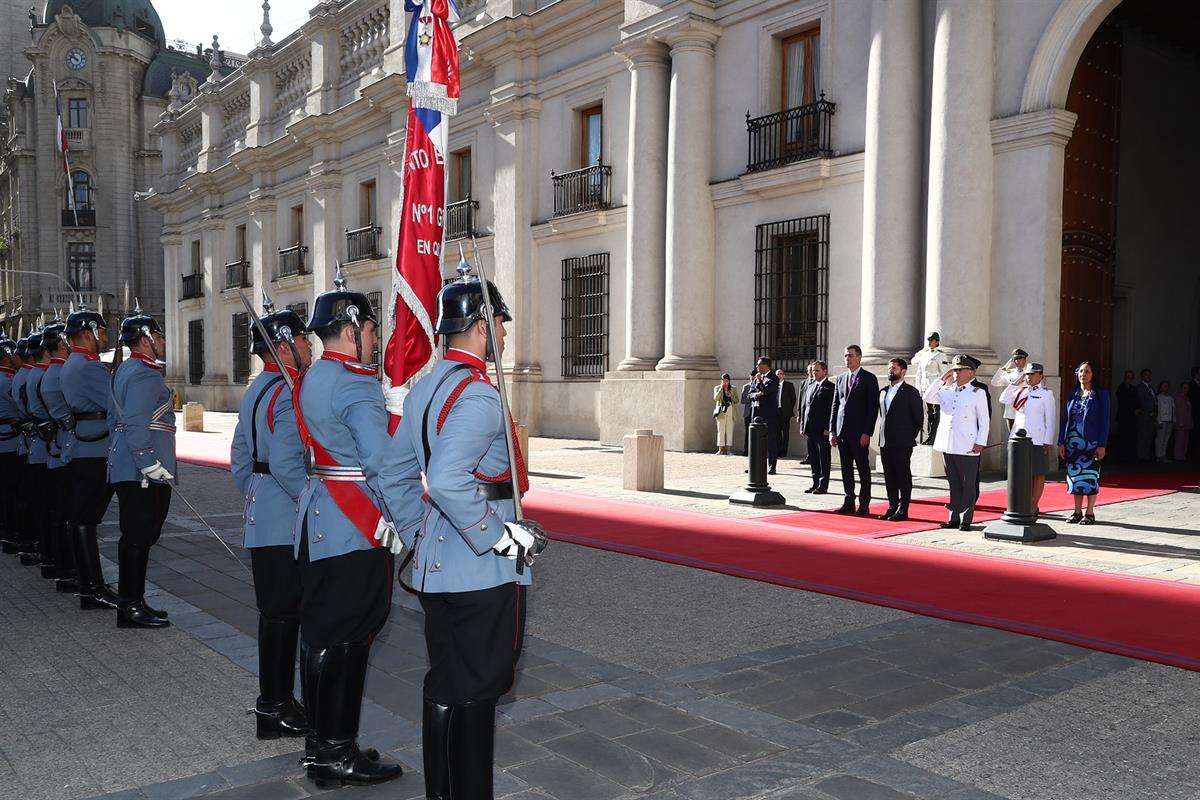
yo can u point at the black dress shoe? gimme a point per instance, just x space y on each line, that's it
887 515
899 516
947 525
136 616
820 491
847 508
284 718
96 598
966 526
863 511
155 611
771 471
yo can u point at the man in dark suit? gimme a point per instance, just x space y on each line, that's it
1147 411
852 418
787 410
900 416
814 424
747 403
766 405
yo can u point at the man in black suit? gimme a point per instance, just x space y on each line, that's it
814 424
900 416
787 410
852 418
747 403
766 405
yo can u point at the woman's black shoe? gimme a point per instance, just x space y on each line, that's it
1074 518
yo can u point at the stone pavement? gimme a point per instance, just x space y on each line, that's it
639 679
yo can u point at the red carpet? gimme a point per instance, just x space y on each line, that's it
926 513
1138 617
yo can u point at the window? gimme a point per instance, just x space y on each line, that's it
791 290
81 261
77 112
197 264
297 224
376 301
801 82
591 136
366 204
460 175
80 196
239 243
301 310
241 347
585 316
195 351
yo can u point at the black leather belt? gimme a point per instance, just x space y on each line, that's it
496 491
262 468
84 416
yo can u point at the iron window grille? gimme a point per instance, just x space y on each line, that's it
362 244
193 286
791 291
241 347
796 134
585 316
81 260
237 275
584 189
301 310
460 219
291 260
195 351
376 301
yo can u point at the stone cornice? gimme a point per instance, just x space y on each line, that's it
675 16
643 49
324 180
387 94
512 102
1052 126
574 226
691 33
803 176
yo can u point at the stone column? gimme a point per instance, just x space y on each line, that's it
172 244
891 275
959 235
212 127
689 341
326 54
261 238
646 218
324 219
262 97
218 341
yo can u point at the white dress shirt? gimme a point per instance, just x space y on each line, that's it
965 418
1038 415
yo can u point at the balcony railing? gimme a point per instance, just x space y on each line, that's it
291 261
81 218
584 189
237 275
796 134
363 243
460 219
193 286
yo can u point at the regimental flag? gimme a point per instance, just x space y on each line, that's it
431 67
60 137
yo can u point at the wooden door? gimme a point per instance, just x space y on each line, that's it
1090 210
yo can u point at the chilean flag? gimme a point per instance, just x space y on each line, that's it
60 136
431 68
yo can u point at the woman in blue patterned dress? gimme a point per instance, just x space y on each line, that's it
1082 440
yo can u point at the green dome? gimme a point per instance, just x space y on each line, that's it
137 16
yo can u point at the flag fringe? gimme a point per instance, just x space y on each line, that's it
426 94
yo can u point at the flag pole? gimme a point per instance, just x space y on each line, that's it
62 146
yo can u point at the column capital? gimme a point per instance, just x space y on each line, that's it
1053 127
643 50
691 33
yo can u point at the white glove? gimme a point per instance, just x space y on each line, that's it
157 472
393 399
385 534
519 536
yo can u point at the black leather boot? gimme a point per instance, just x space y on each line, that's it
135 615
94 593
336 681
65 578
435 749
277 712
472 741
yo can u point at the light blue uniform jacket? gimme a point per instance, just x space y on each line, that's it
38 454
56 404
344 411
85 384
19 382
10 415
270 510
455 528
142 424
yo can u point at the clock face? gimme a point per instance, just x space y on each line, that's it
76 58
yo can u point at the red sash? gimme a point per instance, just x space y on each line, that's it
522 470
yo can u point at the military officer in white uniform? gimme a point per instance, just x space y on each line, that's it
961 436
1034 411
1006 374
929 363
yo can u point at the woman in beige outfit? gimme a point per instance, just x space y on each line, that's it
725 409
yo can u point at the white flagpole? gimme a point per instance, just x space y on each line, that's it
66 161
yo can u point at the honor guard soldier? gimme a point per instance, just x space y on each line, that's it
267 461
343 534
141 463
466 540
39 457
50 394
10 439
26 535
86 385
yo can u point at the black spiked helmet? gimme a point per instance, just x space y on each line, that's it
460 304
52 334
7 346
339 304
84 320
137 325
280 325
23 347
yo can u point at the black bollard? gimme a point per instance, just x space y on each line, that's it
757 492
1019 522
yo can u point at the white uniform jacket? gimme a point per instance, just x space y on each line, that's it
1006 376
930 365
1038 413
965 418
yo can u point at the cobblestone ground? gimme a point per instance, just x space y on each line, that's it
639 680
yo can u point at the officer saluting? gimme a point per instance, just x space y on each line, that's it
267 461
471 552
10 439
86 385
141 463
343 534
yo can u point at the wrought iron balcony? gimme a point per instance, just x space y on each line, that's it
80 218
193 286
363 243
237 275
291 260
786 137
584 189
460 219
